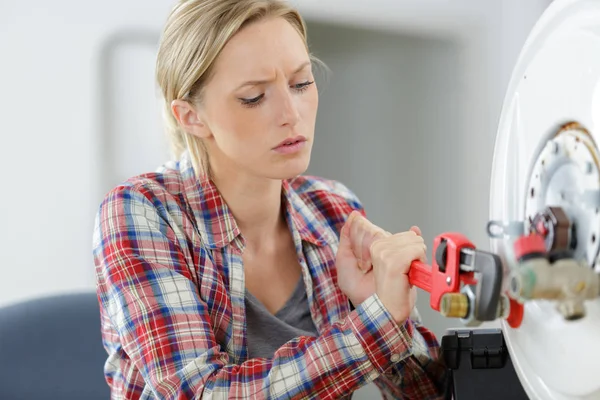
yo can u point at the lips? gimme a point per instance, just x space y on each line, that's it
291 141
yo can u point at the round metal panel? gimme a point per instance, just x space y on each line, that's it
566 175
556 81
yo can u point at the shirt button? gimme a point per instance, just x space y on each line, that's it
395 358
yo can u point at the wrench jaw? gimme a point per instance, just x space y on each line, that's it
461 305
473 281
444 275
467 312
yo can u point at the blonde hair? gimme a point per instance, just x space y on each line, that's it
195 33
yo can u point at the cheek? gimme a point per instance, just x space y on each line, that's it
240 130
308 105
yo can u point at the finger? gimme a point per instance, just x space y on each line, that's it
358 235
396 243
416 230
363 233
409 254
352 217
365 224
424 256
350 221
345 231
349 230
363 237
377 245
345 244
367 241
405 238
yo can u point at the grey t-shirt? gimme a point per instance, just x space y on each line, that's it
266 332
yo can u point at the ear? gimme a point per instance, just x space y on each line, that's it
190 119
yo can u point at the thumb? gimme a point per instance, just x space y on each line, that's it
345 231
353 240
417 230
345 244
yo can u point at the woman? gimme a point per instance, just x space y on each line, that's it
227 274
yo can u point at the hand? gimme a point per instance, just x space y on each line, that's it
391 257
353 260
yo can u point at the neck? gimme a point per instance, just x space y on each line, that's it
256 206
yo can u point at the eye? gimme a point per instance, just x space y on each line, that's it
256 101
300 87
253 102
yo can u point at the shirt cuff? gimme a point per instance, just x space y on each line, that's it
384 341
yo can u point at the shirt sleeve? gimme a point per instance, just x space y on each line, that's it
148 291
420 374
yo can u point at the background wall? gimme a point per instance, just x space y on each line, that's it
388 128
407 119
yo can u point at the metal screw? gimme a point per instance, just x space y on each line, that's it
588 167
449 281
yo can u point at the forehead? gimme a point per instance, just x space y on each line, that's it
260 48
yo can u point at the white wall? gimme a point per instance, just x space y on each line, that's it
414 100
53 57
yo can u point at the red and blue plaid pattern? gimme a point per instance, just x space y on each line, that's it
168 257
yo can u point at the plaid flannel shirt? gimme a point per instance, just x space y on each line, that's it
170 281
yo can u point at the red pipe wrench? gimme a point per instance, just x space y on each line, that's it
456 262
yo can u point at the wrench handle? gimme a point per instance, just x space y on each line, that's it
419 275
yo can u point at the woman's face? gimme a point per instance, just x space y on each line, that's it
259 108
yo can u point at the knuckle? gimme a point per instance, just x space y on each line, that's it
375 247
378 235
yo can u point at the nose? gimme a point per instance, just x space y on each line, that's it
288 110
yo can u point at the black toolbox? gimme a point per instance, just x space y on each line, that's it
479 366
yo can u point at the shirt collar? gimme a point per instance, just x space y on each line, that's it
305 218
215 221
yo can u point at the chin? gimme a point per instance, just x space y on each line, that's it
289 169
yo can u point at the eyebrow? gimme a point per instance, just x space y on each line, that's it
263 81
